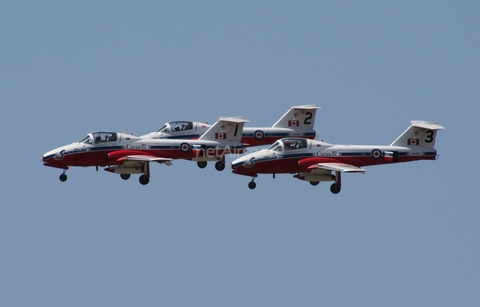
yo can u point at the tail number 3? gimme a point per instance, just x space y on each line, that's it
430 135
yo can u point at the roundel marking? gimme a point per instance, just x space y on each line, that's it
259 134
184 147
376 153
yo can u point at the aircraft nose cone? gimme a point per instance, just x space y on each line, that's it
236 164
48 156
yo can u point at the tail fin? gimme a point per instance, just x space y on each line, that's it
226 128
298 117
420 133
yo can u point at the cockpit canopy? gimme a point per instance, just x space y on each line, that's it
99 137
289 144
176 126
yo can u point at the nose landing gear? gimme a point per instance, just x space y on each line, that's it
63 177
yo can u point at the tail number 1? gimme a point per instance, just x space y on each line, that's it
236 130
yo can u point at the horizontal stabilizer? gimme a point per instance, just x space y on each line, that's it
427 125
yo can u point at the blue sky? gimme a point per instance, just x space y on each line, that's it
401 235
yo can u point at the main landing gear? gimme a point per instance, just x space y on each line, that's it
144 179
219 165
337 185
202 164
335 188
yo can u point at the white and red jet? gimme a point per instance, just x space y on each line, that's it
298 121
127 154
316 161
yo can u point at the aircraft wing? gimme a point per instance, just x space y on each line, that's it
337 167
147 158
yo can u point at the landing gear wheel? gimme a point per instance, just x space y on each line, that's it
335 188
252 185
219 166
202 164
144 179
125 176
314 183
63 177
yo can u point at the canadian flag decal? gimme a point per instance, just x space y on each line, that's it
413 142
220 136
293 123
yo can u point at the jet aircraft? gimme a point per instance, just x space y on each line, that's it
315 161
298 121
127 154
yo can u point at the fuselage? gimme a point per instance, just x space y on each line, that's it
266 136
251 136
280 158
107 148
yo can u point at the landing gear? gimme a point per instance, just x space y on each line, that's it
202 164
335 188
314 183
125 176
219 166
63 177
252 185
144 179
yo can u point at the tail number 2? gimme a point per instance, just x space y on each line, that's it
307 120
